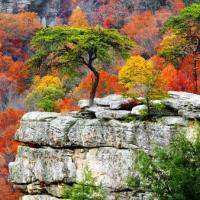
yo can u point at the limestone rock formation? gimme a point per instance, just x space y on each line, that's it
39 197
46 165
58 147
187 104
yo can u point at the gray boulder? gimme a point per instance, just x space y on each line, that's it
39 197
137 110
112 114
113 101
46 165
47 130
187 104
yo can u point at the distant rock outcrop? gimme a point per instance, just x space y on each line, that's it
58 147
47 10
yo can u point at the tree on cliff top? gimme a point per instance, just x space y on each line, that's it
69 48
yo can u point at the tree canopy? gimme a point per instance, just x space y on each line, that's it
183 39
135 72
69 48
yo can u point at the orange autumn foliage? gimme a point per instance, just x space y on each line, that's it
139 24
158 62
108 84
67 105
78 19
21 25
17 30
143 28
180 79
168 75
9 122
13 71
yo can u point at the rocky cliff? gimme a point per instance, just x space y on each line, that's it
56 148
47 10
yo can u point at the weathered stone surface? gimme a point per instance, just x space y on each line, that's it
59 128
56 190
97 133
34 188
112 114
113 133
39 197
113 101
39 116
105 101
174 121
84 103
44 164
149 133
96 108
187 104
50 132
66 131
137 110
111 166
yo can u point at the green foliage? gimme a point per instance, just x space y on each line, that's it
156 110
86 189
175 52
44 98
146 93
185 19
130 118
171 172
153 91
69 48
46 104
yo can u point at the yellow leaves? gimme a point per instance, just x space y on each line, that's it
47 81
78 19
170 40
135 72
45 93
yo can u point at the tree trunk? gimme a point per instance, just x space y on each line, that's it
148 102
94 85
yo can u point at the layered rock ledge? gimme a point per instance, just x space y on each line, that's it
56 148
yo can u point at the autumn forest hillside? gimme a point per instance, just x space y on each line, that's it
97 47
